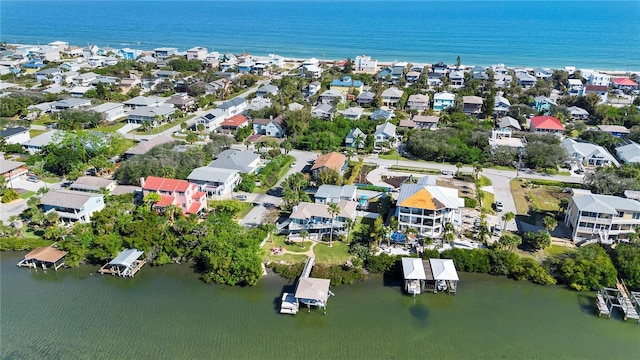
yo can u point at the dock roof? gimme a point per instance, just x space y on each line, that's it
443 269
413 269
313 289
46 254
126 257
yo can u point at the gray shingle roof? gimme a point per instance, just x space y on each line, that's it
67 198
235 160
605 204
211 174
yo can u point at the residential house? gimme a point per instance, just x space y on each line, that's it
479 73
243 161
546 125
273 127
179 193
59 45
624 84
355 139
46 53
381 114
333 161
54 75
419 102
412 76
391 96
93 184
575 86
246 66
578 113
79 91
144 102
144 147
70 66
96 61
434 79
426 121
33 64
147 60
334 194
323 111
215 181
600 90
598 79
15 135
311 89
232 124
601 218
182 101
408 123
70 104
364 64
525 79
346 85
212 119
109 111
129 54
166 74
89 51
311 68
234 106
316 218
544 74
332 97
385 133
472 105
35 144
84 79
152 115
197 53
501 106
501 137
295 106
439 68
588 154
385 73
365 98
266 90
456 79
508 123
72 205
615 130
11 170
398 68
353 113
162 53
443 100
259 103
543 103
220 86
427 207
628 152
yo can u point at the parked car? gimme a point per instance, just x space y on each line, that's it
293 164
241 197
33 179
497 230
499 206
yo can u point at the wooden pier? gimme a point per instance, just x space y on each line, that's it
44 257
619 297
309 291
126 264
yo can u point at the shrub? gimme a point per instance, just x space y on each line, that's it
9 195
22 244
287 271
339 275
430 254
470 203
380 264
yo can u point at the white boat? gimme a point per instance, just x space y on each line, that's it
441 285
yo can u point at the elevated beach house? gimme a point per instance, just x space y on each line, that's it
316 218
443 100
546 125
179 193
72 205
273 127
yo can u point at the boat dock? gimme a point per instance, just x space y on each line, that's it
619 297
309 291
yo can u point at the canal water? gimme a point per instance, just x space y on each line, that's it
168 313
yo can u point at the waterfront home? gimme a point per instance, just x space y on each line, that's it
525 79
163 53
266 90
385 74
273 127
434 79
624 84
197 53
439 68
456 79
35 144
364 64
385 134
125 264
144 101
615 130
600 90
72 52
59 45
215 181
179 193
426 207
381 114
426 121
508 123
596 78
243 161
365 98
89 51
331 97
93 184
234 106
546 125
413 274
11 170
479 73
588 154
15 135
334 194
232 124
333 161
541 73
418 102
212 119
412 76
128 53
543 103
397 69
323 111
575 86
628 152
472 105
45 53
578 113
44 257
182 101
391 96
602 218
501 106
443 100
311 89
355 139
353 113
346 85
311 68
72 205
53 75
152 115
316 218
144 147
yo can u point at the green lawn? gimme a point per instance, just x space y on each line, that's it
279 240
412 169
556 250
246 207
484 181
27 194
288 258
392 155
112 128
487 202
34 133
337 254
162 127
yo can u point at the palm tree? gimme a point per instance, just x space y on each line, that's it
172 211
508 216
304 233
349 224
549 223
359 141
191 138
334 210
459 165
483 234
477 169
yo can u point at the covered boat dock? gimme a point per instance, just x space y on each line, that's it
309 291
44 257
126 264
441 275
414 275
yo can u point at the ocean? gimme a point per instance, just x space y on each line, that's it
586 34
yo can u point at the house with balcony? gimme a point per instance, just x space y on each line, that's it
525 79
323 111
456 79
316 218
588 154
546 125
472 105
426 207
601 90
267 90
162 53
542 73
215 181
54 75
543 104
434 79
365 64
618 131
129 54
232 124
443 100
346 85
385 133
152 115
234 106
182 101
398 69
72 205
11 170
624 84
501 106
331 97
365 98
439 68
334 194
212 119
596 78
179 193
355 139
333 161
601 218
391 96
429 122
273 127
575 86
418 102
144 101
197 53
311 89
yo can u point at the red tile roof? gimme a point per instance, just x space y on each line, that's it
596 88
546 122
235 121
157 183
624 82
198 195
165 200
332 160
194 208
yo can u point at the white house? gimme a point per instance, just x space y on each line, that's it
334 194
212 119
365 64
72 205
51 74
391 96
197 53
154 115
589 154
419 102
109 111
628 152
215 181
15 135
317 218
384 133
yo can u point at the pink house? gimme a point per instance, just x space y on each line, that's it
180 193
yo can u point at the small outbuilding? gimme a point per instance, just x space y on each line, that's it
414 275
44 257
126 264
313 292
444 274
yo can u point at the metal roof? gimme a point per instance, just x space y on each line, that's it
67 198
443 269
211 174
413 269
126 257
313 289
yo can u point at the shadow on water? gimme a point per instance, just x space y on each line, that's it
587 304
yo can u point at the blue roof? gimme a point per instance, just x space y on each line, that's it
346 81
33 64
381 114
384 72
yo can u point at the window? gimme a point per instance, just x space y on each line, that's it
636 216
620 213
